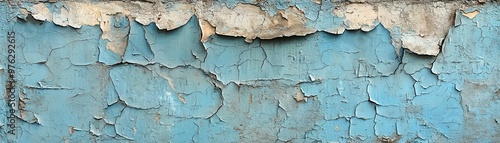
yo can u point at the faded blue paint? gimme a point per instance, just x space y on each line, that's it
179 47
138 50
118 27
320 87
469 60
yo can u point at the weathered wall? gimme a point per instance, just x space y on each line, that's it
250 71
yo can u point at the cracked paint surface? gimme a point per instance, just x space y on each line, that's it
213 71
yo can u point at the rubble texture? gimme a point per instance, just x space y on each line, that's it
252 71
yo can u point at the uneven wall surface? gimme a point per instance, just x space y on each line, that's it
250 71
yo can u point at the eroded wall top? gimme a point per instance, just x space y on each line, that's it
419 26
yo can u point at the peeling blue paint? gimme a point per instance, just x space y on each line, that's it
168 86
138 50
179 47
470 62
119 27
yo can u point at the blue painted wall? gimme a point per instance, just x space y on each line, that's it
168 86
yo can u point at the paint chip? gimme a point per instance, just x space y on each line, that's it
470 15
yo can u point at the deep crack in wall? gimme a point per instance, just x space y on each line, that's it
251 71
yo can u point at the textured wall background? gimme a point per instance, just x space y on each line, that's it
250 71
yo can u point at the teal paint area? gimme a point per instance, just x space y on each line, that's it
167 86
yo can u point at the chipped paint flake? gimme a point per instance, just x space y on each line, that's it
471 15
207 30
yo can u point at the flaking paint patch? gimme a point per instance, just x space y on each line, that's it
358 16
470 47
114 38
207 30
76 14
116 31
471 15
255 19
41 12
251 22
422 37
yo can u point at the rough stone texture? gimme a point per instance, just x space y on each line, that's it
251 71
